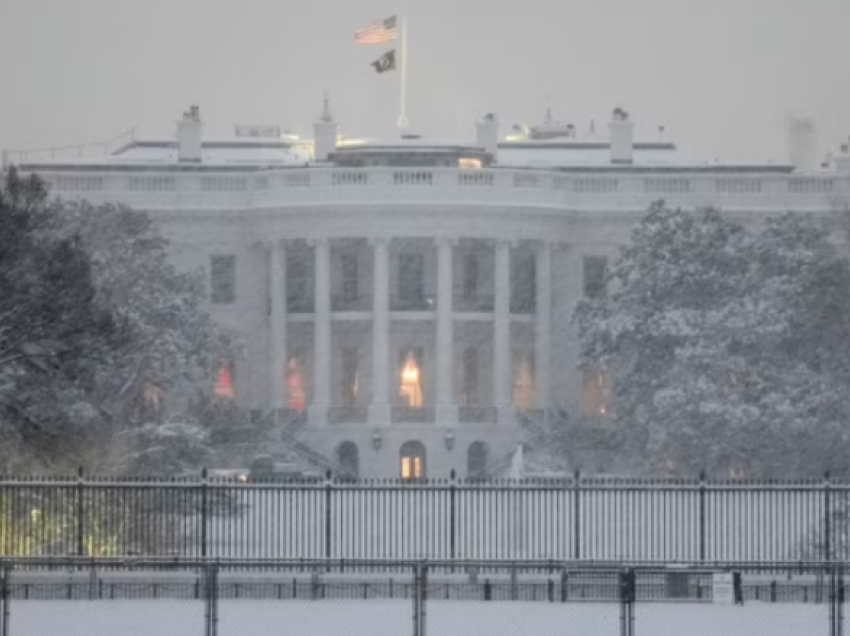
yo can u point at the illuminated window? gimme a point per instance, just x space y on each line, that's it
594 395
469 164
410 388
224 382
295 385
412 461
524 394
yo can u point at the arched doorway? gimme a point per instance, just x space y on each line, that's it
413 461
476 460
348 457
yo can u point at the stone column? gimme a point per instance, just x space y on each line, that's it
277 325
446 408
379 409
321 335
502 381
543 334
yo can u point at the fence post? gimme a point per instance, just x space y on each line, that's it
577 515
5 573
204 512
328 520
827 520
81 545
628 593
210 600
702 515
452 519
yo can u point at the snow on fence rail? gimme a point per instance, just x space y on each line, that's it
582 518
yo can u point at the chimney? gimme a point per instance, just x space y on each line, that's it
622 132
325 134
190 135
802 143
842 160
487 134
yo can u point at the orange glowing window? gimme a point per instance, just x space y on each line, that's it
411 387
295 385
411 467
595 393
224 382
524 394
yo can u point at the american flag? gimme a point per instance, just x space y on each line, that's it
377 32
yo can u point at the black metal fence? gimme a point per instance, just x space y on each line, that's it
581 518
212 596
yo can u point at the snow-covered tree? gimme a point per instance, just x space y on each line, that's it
99 334
726 349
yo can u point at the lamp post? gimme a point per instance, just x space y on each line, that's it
377 440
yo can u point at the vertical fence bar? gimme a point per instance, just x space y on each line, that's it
80 493
210 574
827 518
328 516
204 511
577 515
702 516
452 516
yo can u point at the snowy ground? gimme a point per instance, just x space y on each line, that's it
394 618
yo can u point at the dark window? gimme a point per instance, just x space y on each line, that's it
411 277
523 282
470 277
223 279
299 281
595 271
349 376
470 377
350 275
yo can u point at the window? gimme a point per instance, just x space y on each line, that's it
413 457
299 279
594 393
524 394
224 381
410 378
469 164
411 278
470 377
349 388
470 277
595 271
523 282
350 276
223 279
295 387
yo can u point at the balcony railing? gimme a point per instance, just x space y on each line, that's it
300 305
361 302
762 188
413 415
477 415
474 304
348 415
421 303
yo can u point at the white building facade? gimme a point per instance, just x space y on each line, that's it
405 307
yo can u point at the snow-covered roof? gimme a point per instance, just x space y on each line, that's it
239 151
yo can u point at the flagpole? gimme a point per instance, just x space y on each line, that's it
402 117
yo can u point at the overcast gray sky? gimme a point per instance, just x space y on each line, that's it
722 75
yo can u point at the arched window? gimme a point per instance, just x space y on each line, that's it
348 458
476 460
413 461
